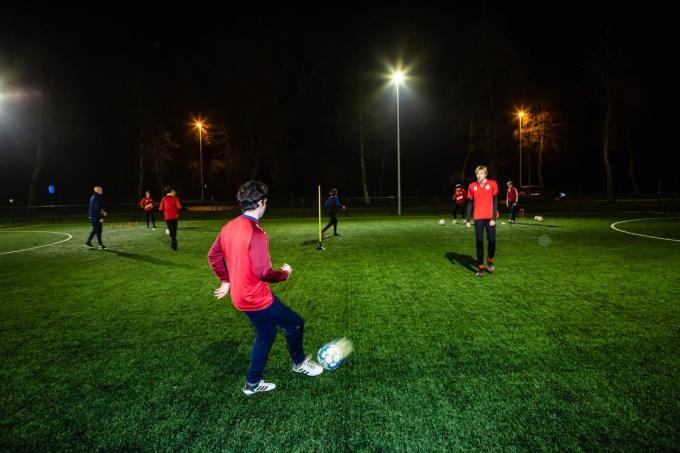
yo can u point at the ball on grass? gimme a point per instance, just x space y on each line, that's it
442 222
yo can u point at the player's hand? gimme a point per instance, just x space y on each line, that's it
286 268
222 290
101 220
103 213
344 208
467 224
492 223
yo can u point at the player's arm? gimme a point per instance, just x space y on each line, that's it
219 268
160 205
262 265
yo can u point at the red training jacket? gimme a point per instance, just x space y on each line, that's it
482 195
513 196
170 206
146 203
459 196
240 256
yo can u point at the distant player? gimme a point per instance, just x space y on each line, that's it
459 199
240 259
146 204
96 216
170 205
332 204
511 200
483 200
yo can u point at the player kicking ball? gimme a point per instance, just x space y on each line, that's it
483 201
240 259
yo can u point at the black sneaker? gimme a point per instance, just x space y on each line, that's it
336 234
101 247
88 245
480 273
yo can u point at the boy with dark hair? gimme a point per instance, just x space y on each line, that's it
483 197
332 204
459 198
239 257
170 205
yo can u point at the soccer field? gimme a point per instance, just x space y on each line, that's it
573 343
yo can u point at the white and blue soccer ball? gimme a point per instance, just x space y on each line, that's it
442 222
333 354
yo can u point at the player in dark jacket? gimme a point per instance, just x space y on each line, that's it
332 204
96 216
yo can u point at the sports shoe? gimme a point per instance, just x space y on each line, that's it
88 245
260 387
308 367
454 221
490 268
480 273
336 234
101 247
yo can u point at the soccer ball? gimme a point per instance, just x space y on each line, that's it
539 218
442 222
333 354
167 232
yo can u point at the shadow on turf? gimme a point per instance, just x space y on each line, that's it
146 259
226 357
466 261
536 225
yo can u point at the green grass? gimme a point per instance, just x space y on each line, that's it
574 343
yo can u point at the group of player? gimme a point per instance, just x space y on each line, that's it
239 258
170 205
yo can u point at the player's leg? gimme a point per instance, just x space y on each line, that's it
146 215
335 224
99 228
172 228
513 207
491 240
153 220
92 233
479 237
265 333
293 327
330 223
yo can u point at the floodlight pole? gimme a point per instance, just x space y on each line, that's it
398 158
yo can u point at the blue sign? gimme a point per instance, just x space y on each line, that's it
50 189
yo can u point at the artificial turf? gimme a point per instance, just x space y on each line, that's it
573 343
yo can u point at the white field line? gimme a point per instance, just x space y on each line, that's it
69 237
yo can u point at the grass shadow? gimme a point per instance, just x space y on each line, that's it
468 262
226 358
146 259
310 242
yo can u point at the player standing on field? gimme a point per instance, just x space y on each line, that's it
146 203
511 200
240 259
459 198
96 216
483 200
170 205
332 204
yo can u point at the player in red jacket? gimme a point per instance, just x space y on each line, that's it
146 204
459 199
170 205
511 200
240 259
483 199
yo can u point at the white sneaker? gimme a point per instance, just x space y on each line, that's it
309 368
261 387
453 221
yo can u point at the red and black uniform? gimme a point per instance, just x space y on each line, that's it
146 204
459 199
483 199
240 256
511 200
170 205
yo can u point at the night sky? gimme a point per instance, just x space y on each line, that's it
281 92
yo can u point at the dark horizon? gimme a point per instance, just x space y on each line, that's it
285 87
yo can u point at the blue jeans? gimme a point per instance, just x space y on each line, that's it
265 323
